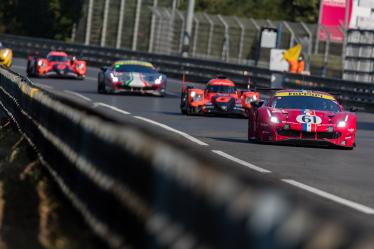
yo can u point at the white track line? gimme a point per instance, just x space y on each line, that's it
241 162
111 107
345 202
91 78
183 134
77 95
19 67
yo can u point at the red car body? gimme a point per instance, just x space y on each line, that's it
219 97
298 116
56 64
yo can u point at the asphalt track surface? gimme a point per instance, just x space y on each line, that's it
342 179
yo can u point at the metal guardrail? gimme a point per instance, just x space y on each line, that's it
350 93
138 189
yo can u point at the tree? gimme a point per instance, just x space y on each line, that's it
40 18
290 10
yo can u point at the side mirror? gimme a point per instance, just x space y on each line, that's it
258 103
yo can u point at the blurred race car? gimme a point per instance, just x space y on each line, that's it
6 56
299 116
131 76
55 64
220 96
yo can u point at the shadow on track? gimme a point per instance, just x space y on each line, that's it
292 145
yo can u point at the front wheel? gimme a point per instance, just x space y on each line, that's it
101 88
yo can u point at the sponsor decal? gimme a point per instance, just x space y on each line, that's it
135 63
308 94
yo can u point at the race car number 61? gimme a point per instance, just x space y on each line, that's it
308 119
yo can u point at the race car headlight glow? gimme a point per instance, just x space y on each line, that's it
274 120
341 124
114 78
250 99
40 63
158 81
193 94
197 97
5 53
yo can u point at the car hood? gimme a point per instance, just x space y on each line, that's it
316 117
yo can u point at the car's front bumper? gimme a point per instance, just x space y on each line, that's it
337 137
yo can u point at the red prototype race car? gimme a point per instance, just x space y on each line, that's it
56 64
302 116
220 96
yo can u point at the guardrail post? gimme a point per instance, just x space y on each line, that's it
188 30
105 23
182 30
270 23
73 32
241 42
326 53
226 43
210 38
120 23
310 35
136 25
89 22
293 37
196 33
152 34
171 26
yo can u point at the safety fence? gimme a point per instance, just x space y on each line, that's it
158 26
139 189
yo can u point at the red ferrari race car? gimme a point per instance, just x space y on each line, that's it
56 64
300 116
220 96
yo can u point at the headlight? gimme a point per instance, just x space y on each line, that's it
5 53
197 97
114 78
274 120
341 124
158 81
193 94
251 99
40 63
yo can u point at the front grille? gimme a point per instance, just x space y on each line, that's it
328 135
309 135
229 105
289 133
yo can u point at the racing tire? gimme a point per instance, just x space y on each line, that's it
101 88
183 104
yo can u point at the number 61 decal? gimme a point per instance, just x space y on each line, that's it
308 119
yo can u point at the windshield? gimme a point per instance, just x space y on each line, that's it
221 89
57 58
305 102
134 69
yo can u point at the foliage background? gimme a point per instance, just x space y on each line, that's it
55 18
40 18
